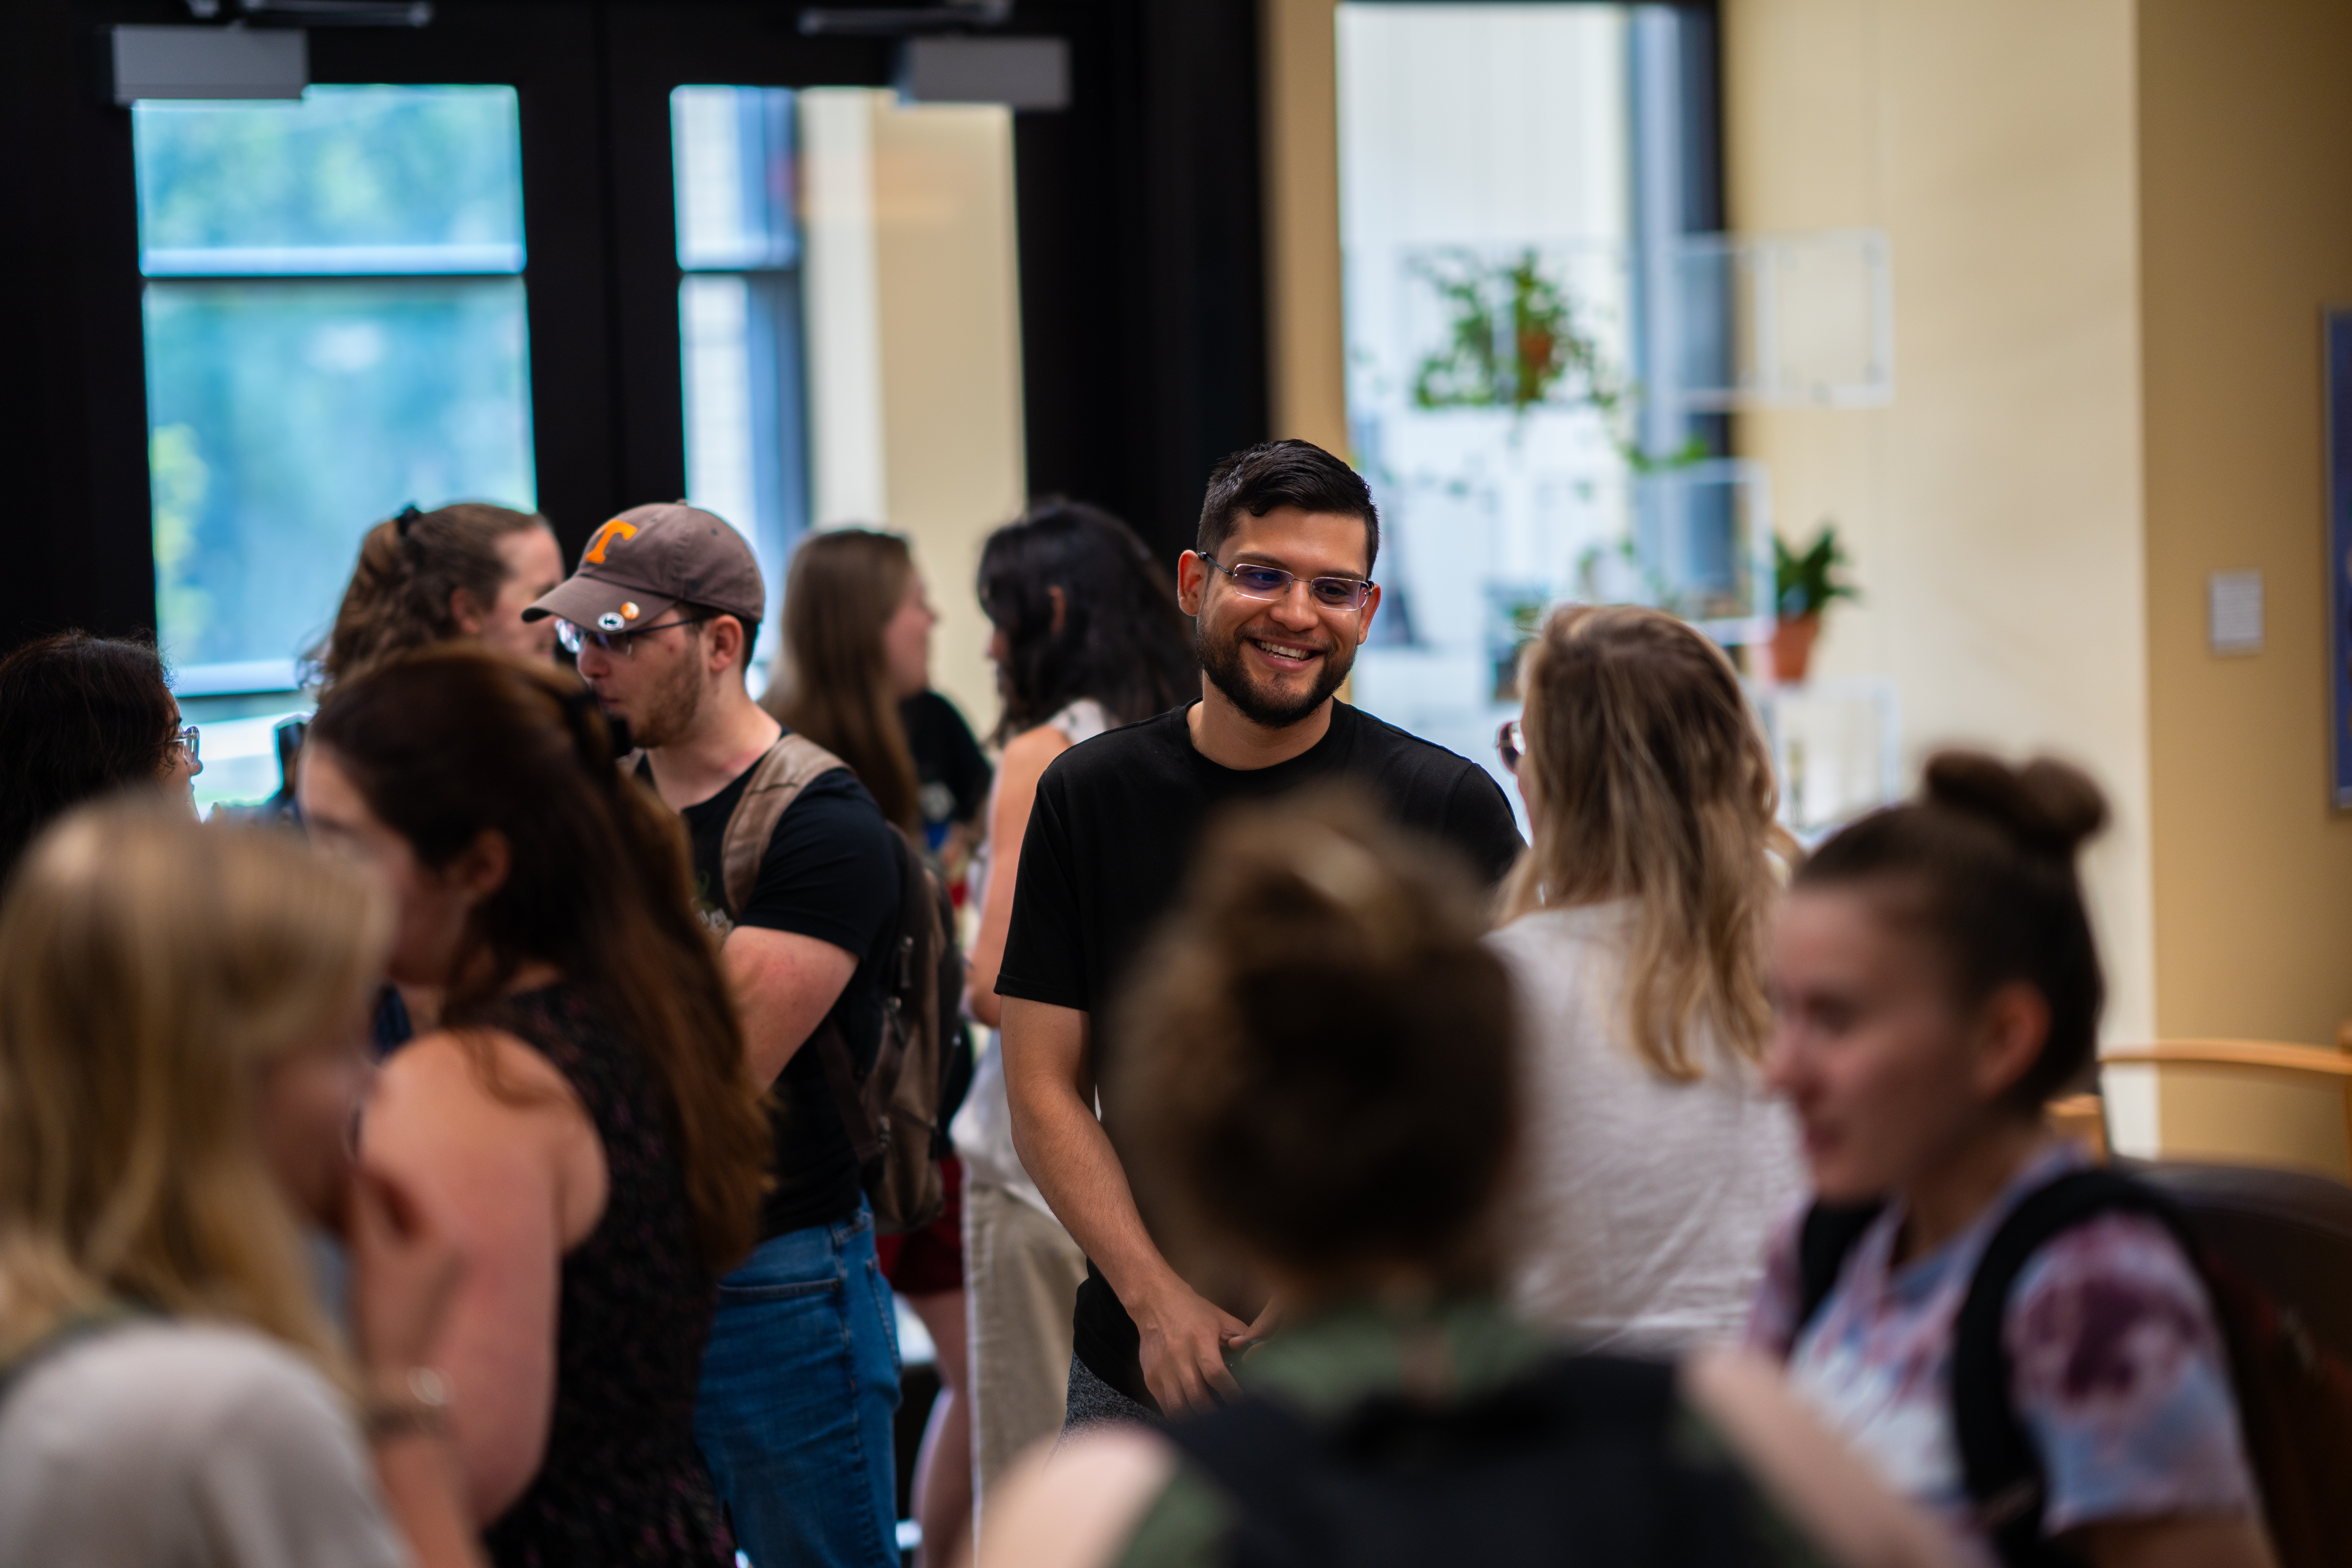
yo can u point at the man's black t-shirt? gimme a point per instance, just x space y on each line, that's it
830 873
1106 847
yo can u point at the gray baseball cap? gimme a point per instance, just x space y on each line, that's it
650 558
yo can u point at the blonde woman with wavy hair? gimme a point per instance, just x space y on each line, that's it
182 1016
1634 927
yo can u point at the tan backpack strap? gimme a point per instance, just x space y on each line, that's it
788 768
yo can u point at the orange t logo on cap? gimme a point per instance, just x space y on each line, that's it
595 551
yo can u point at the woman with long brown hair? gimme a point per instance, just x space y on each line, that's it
466 571
856 651
851 598
582 1122
182 1013
1634 927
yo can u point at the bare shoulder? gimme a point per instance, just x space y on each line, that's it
1026 754
1075 1505
485 1075
1797 1461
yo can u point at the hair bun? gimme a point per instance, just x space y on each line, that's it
2047 807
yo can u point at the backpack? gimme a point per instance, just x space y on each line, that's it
1576 1460
2294 1398
897 1113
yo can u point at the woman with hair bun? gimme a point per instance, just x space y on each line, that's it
1318 1079
467 569
1936 982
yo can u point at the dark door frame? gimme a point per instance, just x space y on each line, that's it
1142 258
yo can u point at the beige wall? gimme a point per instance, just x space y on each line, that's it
1994 508
915 345
1305 350
2245 149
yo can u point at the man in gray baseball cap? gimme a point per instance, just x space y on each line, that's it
799 1385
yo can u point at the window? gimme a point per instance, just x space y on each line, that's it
738 304
335 327
1519 189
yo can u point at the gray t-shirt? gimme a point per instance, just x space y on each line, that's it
176 1445
1645 1205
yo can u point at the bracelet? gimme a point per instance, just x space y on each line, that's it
421 1407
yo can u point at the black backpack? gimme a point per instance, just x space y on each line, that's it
1575 1461
2294 1399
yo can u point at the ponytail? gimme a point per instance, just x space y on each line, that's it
410 570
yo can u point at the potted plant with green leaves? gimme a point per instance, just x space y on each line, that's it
1803 586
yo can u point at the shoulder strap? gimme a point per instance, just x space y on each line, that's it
2003 1469
1829 1233
789 766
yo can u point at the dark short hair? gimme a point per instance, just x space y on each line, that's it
1316 1057
1982 867
1284 473
80 717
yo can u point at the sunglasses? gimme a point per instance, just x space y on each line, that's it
1273 583
574 637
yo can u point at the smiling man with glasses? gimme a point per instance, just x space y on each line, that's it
1280 588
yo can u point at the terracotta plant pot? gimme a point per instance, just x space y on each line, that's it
1792 647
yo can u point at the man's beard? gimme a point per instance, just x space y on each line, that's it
1221 662
669 709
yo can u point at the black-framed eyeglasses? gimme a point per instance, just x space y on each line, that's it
575 638
189 741
1273 583
1511 744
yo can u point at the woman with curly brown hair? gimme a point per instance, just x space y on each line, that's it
462 570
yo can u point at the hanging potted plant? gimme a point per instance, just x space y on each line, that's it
1803 586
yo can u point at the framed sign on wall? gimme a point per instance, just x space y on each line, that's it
2337 340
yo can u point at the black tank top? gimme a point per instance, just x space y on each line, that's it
623 1480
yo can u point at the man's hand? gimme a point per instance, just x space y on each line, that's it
1184 1339
1269 1318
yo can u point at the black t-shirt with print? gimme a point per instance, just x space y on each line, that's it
1106 847
830 873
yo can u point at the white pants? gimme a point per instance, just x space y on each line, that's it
1022 1273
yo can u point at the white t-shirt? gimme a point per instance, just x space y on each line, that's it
174 1445
982 1127
1647 1205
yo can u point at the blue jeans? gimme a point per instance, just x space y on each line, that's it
799 1387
